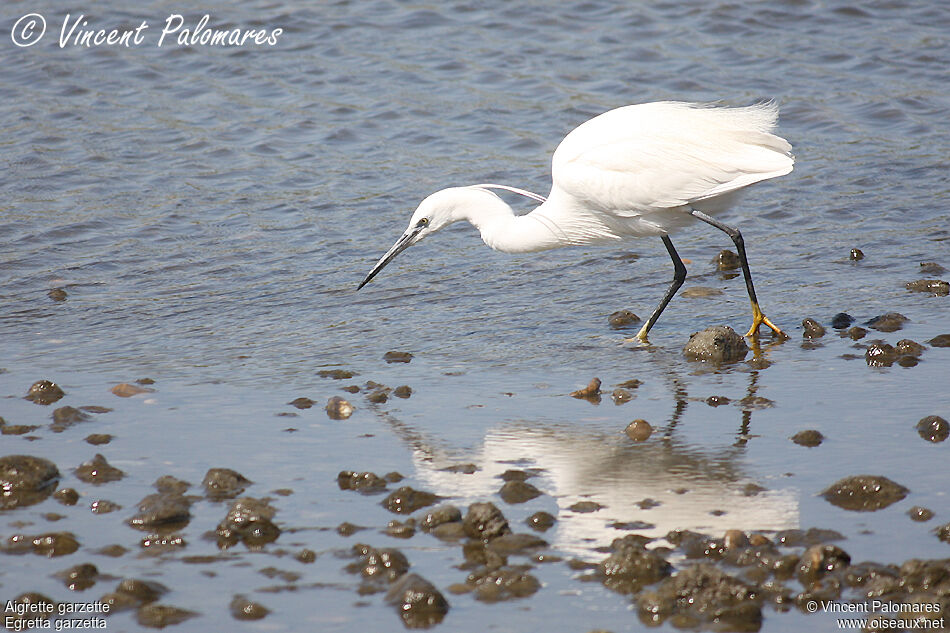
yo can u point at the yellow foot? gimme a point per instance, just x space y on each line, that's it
758 319
641 336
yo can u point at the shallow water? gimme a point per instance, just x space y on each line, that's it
209 214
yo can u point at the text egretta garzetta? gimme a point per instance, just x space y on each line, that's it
636 171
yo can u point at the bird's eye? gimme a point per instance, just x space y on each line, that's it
422 222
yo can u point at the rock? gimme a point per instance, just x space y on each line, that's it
53 544
79 577
512 544
67 496
586 507
441 515
44 392
590 392
820 560
502 583
864 493
920 514
937 287
339 408
541 521
856 333
812 329
888 322
622 319
484 521
418 602
98 439
402 391
943 533
513 492
384 563
103 506
25 480
907 347
397 357
856 255
631 566
880 354
244 609
639 430
931 268
301 403
162 510
98 471
941 340
336 374
718 344
406 500
933 428
841 320
703 594
809 438
224 483
126 390
621 396
65 417
158 616
248 520
726 260
365 482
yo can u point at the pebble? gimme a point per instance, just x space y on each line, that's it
244 609
541 521
864 493
717 344
936 287
418 602
98 471
397 357
726 260
841 320
622 319
639 430
888 322
406 500
249 521
590 392
933 428
809 438
224 483
856 255
513 492
25 480
44 392
812 329
484 521
338 408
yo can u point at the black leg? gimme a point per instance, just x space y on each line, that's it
758 318
679 275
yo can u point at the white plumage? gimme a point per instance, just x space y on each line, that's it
640 170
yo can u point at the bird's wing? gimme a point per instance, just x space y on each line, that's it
643 158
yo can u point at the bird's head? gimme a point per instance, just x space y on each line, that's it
433 214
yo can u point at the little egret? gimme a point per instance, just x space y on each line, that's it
636 171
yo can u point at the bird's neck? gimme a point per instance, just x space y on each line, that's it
504 231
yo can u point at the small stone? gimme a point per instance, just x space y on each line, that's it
55 544
590 392
622 319
25 480
244 609
936 287
406 500
104 506
856 255
384 563
162 510
880 354
812 329
933 428
79 577
224 483
864 493
336 374
98 471
717 401
541 521
484 521
97 439
364 482
718 344
726 260
809 438
306 556
402 391
65 417
941 340
585 507
57 294
621 396
302 403
513 492
920 514
67 496
441 515
248 520
856 333
639 430
819 560
338 408
931 268
158 616
397 357
418 602
888 322
44 392
841 320
943 532
126 390
401 529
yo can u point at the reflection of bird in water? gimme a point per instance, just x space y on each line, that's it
666 485
637 171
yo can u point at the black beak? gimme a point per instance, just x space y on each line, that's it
408 239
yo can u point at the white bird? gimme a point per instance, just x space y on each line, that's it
636 171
